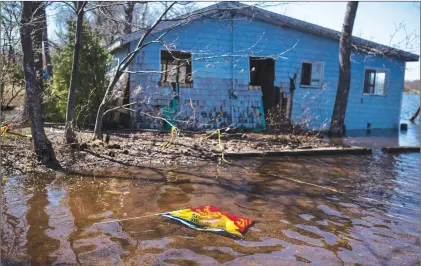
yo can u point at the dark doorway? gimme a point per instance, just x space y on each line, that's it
262 73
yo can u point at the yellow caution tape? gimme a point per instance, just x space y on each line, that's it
167 143
220 145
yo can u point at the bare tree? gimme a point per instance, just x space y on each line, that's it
62 12
71 101
37 22
113 19
42 145
46 42
119 72
345 45
128 11
108 28
11 74
142 15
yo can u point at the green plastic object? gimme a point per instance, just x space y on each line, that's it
170 111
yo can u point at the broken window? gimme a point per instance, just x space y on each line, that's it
375 82
176 68
312 74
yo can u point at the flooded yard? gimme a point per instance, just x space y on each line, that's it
330 210
372 219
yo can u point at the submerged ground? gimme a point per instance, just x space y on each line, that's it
373 218
330 210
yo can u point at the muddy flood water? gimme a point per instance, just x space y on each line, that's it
373 218
330 210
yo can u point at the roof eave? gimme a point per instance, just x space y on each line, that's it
412 58
292 23
406 57
284 21
115 45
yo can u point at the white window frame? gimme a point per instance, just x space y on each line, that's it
386 81
322 73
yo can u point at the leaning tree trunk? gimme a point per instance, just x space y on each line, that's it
99 120
103 105
71 100
337 126
415 115
43 147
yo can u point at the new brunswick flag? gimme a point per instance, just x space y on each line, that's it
211 219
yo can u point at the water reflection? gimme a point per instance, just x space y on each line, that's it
61 222
176 193
40 246
298 219
89 203
14 224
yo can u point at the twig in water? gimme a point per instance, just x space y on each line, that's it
139 217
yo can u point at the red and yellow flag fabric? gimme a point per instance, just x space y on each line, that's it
211 219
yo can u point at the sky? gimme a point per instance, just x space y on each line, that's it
375 21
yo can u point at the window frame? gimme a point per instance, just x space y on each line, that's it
322 73
181 85
386 80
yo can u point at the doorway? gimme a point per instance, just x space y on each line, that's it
262 73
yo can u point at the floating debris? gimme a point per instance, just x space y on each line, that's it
117 192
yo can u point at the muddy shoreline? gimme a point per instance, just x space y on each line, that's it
140 148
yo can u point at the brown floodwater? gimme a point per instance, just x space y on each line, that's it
372 219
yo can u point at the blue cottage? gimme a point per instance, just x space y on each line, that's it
234 65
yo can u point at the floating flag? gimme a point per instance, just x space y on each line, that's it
211 219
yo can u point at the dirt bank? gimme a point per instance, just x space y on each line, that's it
145 148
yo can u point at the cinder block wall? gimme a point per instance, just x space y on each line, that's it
216 74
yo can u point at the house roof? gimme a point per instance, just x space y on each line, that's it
254 12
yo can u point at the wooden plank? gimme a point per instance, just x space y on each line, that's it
299 152
401 149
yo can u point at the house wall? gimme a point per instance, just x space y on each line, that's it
119 55
212 78
209 105
379 111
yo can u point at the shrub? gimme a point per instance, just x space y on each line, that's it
91 82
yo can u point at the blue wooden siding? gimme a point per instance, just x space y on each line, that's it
380 111
220 73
